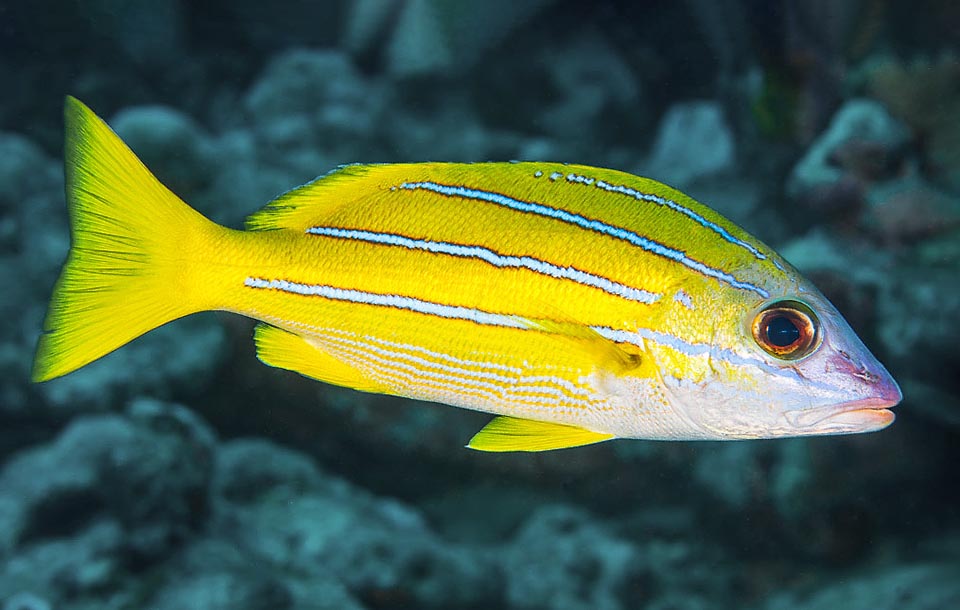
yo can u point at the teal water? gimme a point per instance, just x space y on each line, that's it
179 472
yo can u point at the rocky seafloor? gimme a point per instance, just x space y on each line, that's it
180 473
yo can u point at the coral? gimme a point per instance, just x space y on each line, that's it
31 190
249 469
591 81
304 522
181 356
925 94
86 565
294 23
561 559
863 124
911 211
929 327
26 601
148 471
171 144
323 88
25 173
225 591
308 112
434 36
109 493
909 587
857 175
693 141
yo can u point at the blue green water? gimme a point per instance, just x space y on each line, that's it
179 472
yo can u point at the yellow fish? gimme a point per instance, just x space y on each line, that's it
578 304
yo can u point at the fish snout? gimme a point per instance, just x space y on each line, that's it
870 390
870 379
875 391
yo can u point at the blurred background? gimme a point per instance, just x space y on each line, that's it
180 473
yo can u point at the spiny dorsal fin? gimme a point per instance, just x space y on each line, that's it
514 434
301 207
314 202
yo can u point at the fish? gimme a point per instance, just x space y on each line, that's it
575 304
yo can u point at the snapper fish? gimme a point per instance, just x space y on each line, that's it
577 304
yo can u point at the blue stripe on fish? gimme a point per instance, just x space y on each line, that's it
673 205
586 223
389 300
640 336
493 258
479 316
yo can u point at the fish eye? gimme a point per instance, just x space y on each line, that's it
786 329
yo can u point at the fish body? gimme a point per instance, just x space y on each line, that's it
579 304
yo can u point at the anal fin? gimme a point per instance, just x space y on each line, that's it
514 434
285 350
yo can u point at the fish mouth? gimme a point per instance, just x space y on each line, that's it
852 417
868 415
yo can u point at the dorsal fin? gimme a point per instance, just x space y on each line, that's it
305 205
314 202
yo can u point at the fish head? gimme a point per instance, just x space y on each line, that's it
789 365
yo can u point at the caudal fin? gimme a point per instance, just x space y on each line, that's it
127 270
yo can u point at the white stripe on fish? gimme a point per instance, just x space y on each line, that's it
493 258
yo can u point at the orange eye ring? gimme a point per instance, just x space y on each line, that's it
788 330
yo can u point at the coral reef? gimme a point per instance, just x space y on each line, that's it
924 94
693 141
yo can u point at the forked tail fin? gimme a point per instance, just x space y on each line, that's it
128 270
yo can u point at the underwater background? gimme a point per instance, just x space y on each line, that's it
180 473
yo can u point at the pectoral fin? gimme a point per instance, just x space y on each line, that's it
605 354
514 434
279 348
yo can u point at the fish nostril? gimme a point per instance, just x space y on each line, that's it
844 364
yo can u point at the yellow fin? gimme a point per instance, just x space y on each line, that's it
125 273
310 203
514 434
609 355
285 350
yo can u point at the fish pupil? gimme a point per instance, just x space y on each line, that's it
782 331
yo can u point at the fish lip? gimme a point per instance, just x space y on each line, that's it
872 403
859 415
848 421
